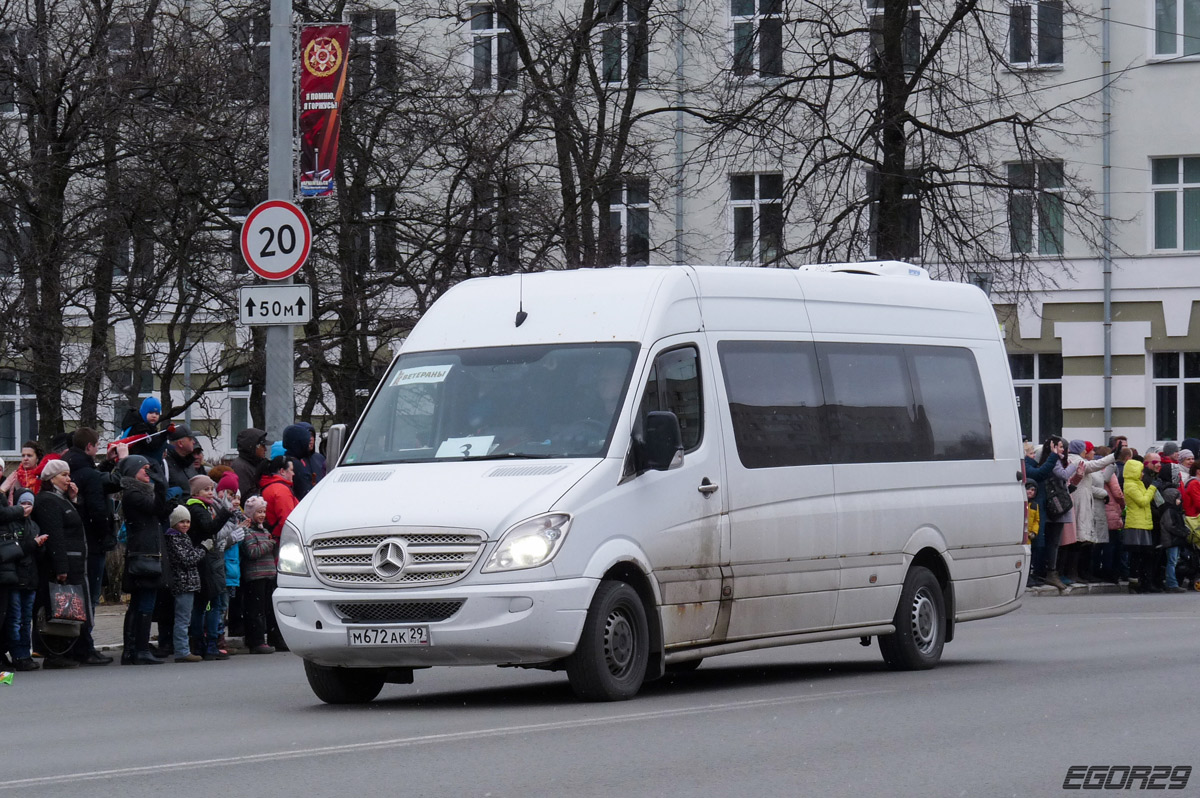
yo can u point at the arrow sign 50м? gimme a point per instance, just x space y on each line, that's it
275 304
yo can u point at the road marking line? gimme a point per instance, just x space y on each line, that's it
403 742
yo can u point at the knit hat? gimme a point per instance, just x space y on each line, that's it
1191 444
1077 447
150 405
1170 448
276 450
53 468
253 505
1030 483
1184 454
199 483
131 465
229 481
1088 447
180 514
26 497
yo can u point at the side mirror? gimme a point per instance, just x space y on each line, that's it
335 439
658 444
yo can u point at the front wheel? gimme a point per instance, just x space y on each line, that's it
343 685
920 624
610 662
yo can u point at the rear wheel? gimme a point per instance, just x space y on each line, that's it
610 662
343 685
920 624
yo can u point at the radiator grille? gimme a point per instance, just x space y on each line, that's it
397 611
431 556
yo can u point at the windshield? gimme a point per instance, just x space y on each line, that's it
512 401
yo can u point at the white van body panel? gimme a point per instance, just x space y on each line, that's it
770 556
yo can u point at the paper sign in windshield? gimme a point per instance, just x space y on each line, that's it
420 374
472 446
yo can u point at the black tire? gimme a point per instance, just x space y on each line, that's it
610 661
687 666
920 622
343 685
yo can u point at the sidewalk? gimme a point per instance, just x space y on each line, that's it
110 624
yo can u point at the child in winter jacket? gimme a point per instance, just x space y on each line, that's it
234 532
185 556
209 519
258 575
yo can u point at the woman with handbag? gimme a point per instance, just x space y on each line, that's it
66 557
143 503
1058 504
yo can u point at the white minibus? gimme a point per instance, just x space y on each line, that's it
620 472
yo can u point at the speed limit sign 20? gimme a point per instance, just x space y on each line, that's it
276 238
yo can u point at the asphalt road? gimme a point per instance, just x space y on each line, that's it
1087 680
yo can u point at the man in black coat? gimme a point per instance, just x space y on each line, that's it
181 466
252 445
93 503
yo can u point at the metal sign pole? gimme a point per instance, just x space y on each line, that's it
280 383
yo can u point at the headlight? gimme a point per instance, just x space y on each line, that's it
291 553
531 543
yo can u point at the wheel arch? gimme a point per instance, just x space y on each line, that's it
933 560
631 574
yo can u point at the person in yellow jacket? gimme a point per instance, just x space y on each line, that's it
1139 526
1033 520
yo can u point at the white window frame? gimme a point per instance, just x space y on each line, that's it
1037 435
10 50
754 21
21 401
493 241
375 213
633 205
1180 44
379 49
1179 191
1036 9
625 25
1036 191
492 33
912 217
1179 384
875 9
756 207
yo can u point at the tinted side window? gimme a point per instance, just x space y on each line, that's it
872 413
674 384
952 405
775 401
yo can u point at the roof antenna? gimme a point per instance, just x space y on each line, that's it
521 314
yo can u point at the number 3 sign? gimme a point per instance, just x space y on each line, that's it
276 238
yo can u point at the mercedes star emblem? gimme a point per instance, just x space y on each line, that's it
389 558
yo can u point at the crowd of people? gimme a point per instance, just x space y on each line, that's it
1113 514
199 543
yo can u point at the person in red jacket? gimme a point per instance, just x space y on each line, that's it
275 484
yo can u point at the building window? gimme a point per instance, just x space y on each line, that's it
1035 207
757 202
1176 27
135 252
249 39
625 228
238 392
1176 379
375 240
494 51
910 35
1038 383
1035 33
372 51
18 412
10 61
909 243
494 240
624 42
757 37
1176 184
241 202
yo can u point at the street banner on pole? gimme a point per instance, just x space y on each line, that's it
323 53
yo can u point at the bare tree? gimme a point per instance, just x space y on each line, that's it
908 132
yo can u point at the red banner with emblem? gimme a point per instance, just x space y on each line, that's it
324 50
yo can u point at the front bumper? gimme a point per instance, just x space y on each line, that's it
502 624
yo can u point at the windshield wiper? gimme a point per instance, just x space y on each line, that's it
504 456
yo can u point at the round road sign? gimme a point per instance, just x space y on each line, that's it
276 238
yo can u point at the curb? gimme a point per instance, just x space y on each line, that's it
1081 590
